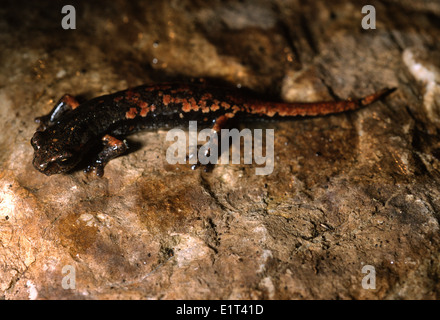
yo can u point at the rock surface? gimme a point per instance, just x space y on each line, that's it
347 191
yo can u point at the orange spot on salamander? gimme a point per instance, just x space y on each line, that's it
203 106
132 96
131 114
186 107
144 109
270 113
215 107
194 104
235 108
167 99
111 141
128 94
68 99
225 105
207 96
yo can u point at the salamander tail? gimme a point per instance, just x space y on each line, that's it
376 96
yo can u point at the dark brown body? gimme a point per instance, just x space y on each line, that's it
71 129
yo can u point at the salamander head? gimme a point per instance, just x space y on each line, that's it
51 155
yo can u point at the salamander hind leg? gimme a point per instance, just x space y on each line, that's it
113 148
208 154
64 105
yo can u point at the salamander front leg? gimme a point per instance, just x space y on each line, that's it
113 148
66 104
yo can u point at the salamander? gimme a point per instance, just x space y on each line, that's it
72 129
